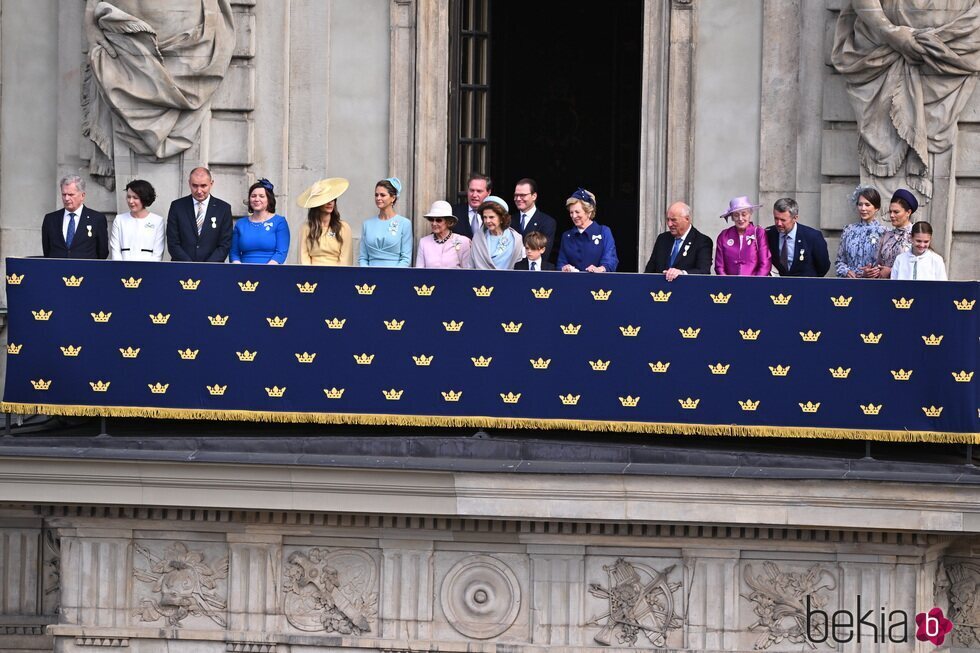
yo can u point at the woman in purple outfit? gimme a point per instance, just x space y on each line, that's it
741 249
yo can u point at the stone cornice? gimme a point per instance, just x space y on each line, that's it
847 505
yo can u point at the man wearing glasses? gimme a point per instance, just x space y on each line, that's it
528 217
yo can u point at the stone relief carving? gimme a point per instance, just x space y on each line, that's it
183 583
909 73
481 597
332 591
960 583
641 600
152 69
51 577
779 602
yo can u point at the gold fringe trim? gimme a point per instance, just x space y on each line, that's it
655 428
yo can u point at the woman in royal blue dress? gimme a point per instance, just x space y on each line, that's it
386 240
262 236
588 246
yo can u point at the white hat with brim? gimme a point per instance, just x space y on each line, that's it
322 192
440 209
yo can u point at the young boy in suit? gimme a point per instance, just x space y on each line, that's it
535 243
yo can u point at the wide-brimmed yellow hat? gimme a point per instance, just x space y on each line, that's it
323 191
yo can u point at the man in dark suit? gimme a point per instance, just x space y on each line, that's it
478 187
681 249
797 250
528 217
199 225
75 231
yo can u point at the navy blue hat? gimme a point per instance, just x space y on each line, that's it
902 194
584 195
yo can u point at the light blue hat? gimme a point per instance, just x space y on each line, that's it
396 182
498 200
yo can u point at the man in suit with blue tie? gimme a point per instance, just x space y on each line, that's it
797 250
528 217
681 249
76 231
199 225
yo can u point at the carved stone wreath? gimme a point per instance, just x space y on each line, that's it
332 591
481 597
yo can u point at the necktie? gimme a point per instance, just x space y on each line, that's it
474 221
915 269
199 217
784 251
523 221
71 229
534 265
673 252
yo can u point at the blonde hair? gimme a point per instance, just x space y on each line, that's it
590 209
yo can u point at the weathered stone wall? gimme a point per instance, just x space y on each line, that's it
210 580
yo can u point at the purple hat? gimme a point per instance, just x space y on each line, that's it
737 204
902 194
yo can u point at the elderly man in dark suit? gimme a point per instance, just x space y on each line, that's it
76 231
528 217
199 225
681 249
478 188
797 250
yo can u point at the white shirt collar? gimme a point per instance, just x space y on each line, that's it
77 212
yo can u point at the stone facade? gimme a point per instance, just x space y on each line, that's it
293 559
155 579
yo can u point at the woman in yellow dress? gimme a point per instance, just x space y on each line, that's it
325 238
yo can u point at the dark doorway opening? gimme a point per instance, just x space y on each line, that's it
565 103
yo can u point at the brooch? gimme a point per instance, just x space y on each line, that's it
750 238
730 242
596 239
268 226
393 229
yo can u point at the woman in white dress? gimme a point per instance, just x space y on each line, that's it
138 235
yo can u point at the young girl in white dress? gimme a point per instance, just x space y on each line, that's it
138 235
921 264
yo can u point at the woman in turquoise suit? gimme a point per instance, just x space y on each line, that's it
386 240
263 235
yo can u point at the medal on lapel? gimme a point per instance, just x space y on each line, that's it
214 222
88 227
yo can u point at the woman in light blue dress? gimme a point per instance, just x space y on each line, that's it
859 242
386 240
496 246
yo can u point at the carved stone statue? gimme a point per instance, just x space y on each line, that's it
910 67
153 67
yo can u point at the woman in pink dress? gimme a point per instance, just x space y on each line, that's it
442 248
741 250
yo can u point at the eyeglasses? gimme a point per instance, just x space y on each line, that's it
438 219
